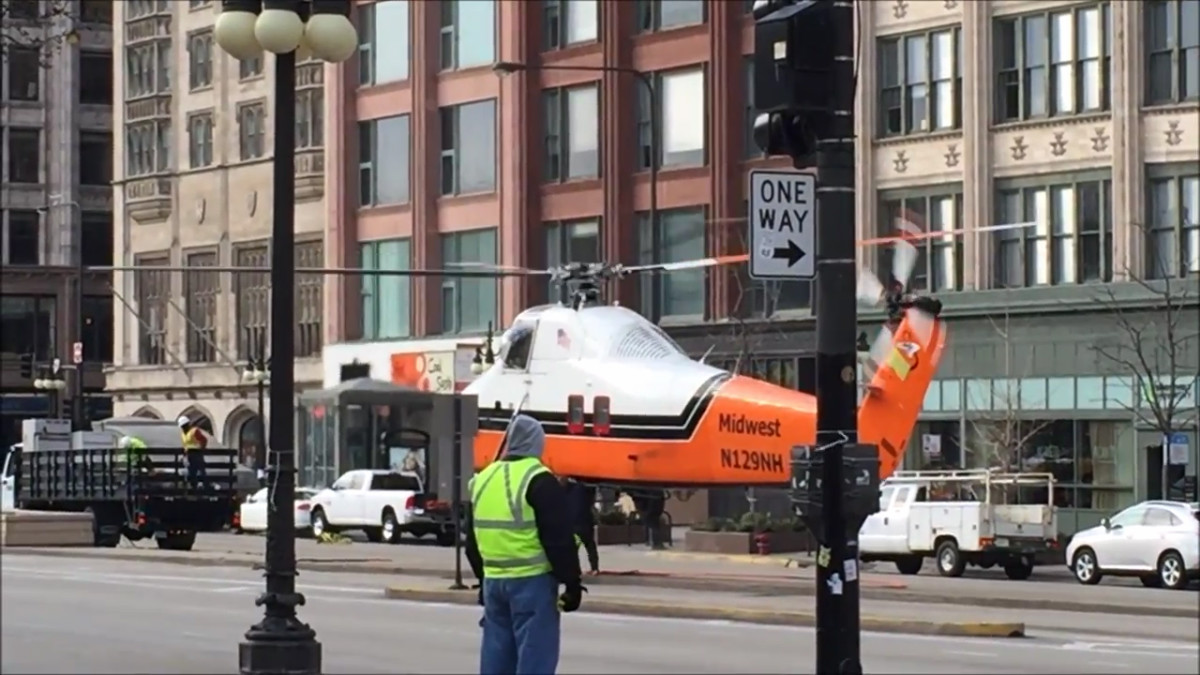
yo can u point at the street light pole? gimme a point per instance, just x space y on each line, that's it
79 414
647 80
281 643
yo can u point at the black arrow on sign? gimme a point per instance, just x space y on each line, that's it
791 253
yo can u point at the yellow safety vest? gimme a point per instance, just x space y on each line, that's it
189 440
505 525
136 449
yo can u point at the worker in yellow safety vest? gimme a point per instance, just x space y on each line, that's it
133 453
521 545
194 443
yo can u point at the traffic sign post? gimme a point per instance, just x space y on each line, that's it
782 225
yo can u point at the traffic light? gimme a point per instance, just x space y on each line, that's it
27 366
793 63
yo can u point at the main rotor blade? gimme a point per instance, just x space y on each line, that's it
496 268
336 271
880 241
686 264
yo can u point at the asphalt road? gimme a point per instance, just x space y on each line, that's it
64 615
1047 583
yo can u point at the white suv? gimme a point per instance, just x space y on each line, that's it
1156 541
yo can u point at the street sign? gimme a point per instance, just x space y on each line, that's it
1175 448
77 353
782 223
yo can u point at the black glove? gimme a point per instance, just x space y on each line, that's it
571 598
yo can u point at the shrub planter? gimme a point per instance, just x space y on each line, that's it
741 543
634 533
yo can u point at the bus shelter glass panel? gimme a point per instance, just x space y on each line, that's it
318 438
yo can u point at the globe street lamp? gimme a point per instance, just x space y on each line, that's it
281 643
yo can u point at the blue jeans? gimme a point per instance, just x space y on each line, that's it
521 626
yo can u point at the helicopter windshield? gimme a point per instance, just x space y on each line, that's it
515 345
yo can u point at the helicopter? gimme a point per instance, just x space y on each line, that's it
623 405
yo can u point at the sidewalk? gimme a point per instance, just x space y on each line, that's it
731 606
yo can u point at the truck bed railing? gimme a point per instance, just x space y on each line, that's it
96 474
999 487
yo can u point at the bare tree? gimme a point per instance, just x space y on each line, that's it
1000 435
1155 345
42 28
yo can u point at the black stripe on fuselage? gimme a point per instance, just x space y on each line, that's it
630 426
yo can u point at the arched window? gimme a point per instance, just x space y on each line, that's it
252 447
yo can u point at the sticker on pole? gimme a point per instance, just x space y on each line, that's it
77 353
782 224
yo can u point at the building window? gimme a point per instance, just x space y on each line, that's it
939 265
1172 51
200 291
98 328
1091 468
153 291
252 297
683 111
920 82
95 78
23 238
386 299
200 72
250 68
148 69
310 118
1065 238
468 35
383 48
1173 238
29 326
469 304
95 158
24 74
569 22
147 148
469 147
656 15
384 157
310 299
24 155
750 145
1052 64
200 140
676 237
575 241
96 11
572 132
97 238
252 131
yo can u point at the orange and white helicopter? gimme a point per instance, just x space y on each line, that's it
622 404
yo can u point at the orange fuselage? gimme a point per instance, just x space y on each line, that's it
741 431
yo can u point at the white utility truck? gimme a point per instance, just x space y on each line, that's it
974 517
381 503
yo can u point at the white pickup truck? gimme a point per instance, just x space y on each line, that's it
380 503
962 518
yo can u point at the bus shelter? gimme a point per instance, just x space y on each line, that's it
373 424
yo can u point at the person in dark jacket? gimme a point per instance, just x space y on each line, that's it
582 499
521 546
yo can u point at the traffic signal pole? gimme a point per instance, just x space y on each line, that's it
838 649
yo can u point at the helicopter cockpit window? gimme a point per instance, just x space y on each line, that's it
517 345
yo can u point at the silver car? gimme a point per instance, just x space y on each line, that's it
1156 541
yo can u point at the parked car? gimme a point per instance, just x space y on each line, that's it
1156 541
378 502
252 515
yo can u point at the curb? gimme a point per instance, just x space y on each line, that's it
709 613
745 559
677 582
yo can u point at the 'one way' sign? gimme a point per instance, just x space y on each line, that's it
782 223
